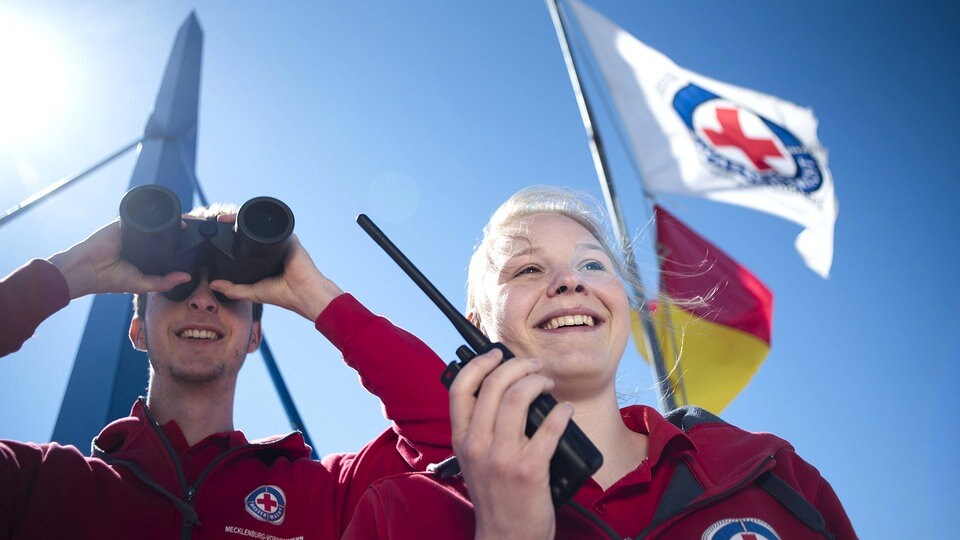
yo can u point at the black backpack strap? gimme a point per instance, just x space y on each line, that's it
799 506
682 489
689 416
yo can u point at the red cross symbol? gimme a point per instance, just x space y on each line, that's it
267 502
731 134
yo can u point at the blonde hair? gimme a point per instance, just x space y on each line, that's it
530 201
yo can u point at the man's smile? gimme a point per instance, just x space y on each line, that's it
196 333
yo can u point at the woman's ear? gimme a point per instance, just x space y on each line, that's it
474 319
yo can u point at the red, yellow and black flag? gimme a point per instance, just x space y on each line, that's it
713 318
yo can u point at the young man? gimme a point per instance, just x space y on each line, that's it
176 466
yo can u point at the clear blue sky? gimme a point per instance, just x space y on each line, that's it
426 115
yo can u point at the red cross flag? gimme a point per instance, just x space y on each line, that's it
699 137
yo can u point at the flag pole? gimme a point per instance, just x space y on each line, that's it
666 396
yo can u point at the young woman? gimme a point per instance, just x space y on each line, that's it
545 282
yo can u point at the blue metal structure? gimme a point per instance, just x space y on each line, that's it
108 374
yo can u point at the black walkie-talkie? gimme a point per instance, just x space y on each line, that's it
576 458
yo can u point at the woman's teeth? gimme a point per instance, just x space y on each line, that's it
568 320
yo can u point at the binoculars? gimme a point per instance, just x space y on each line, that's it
155 241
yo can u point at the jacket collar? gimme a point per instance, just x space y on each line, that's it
661 433
129 437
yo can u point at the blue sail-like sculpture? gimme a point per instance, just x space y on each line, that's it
108 374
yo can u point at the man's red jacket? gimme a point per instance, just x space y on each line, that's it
135 486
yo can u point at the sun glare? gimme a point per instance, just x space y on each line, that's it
32 79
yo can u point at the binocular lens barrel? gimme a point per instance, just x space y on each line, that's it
150 228
150 208
245 252
263 230
265 220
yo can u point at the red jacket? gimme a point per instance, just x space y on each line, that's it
134 486
703 479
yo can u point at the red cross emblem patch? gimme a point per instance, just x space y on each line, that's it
740 529
267 503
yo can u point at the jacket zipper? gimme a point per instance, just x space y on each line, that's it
186 527
190 492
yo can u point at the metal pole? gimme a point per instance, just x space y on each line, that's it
30 201
666 396
292 414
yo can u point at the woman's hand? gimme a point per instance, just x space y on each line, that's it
507 473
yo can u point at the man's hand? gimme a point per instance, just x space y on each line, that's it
507 473
301 288
94 266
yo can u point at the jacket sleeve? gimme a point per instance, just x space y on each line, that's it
16 482
834 515
368 520
398 368
36 479
815 489
29 295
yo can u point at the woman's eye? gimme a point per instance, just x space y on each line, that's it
527 270
594 265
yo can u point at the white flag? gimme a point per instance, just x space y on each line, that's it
699 137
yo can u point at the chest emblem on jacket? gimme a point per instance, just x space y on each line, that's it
267 503
740 529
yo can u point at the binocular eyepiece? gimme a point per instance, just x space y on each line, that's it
155 241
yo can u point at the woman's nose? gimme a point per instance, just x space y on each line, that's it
564 282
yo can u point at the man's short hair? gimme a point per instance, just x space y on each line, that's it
200 212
